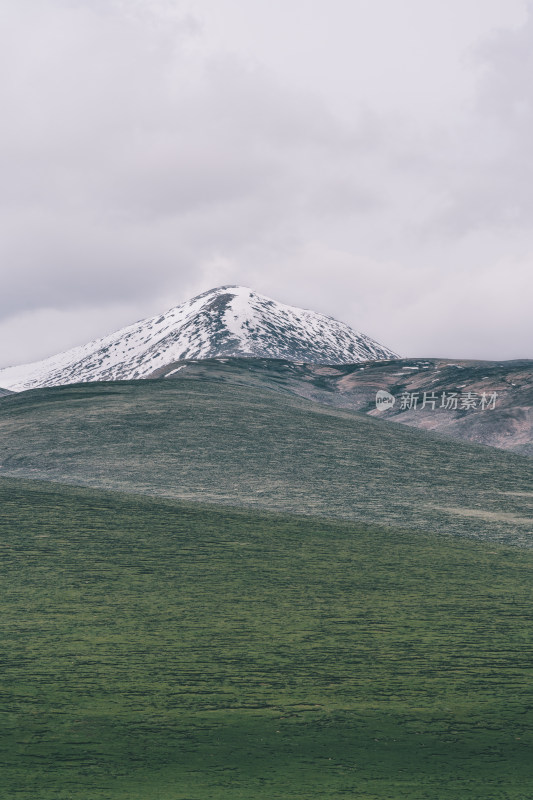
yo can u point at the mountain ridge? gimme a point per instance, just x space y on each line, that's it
226 321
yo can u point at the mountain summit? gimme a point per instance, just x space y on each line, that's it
228 321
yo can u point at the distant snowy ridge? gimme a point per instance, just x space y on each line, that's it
228 321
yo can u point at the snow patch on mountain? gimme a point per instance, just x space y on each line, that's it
228 321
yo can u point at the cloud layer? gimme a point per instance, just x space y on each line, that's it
146 154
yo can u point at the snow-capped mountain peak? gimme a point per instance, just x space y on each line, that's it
227 321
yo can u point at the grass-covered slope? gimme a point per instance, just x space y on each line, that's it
239 445
508 425
154 649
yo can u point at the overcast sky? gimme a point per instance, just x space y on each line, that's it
370 159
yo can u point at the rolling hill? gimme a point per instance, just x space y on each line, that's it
245 446
216 587
506 423
158 649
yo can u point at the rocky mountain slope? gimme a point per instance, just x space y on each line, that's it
228 321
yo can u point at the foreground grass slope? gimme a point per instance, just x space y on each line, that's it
171 651
216 442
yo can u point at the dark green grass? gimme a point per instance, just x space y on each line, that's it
242 446
154 650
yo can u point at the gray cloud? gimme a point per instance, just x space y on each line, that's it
115 153
477 167
142 159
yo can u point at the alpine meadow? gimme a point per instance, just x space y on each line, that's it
215 586
266 400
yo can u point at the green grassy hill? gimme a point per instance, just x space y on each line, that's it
217 442
509 425
157 650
